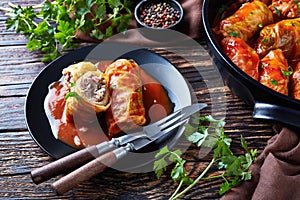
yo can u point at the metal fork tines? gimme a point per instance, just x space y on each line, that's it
161 127
154 133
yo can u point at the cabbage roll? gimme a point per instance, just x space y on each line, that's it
274 71
127 110
295 82
284 35
88 97
283 9
241 54
73 72
247 20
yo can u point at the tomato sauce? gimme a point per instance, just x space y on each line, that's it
156 99
156 102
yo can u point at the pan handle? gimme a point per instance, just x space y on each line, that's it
276 113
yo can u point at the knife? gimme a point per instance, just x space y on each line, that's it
106 154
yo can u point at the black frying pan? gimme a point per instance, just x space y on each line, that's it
267 104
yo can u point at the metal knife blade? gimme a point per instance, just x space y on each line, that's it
185 113
153 131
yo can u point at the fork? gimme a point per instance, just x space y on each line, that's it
110 151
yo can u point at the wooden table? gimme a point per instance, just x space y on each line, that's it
19 154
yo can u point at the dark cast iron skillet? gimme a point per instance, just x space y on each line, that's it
267 104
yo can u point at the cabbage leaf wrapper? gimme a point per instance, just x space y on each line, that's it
127 110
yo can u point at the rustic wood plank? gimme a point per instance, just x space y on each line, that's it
12 114
4 3
126 189
19 153
15 55
14 90
20 145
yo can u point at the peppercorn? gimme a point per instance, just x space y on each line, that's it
159 15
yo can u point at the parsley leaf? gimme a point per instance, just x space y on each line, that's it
233 34
274 82
72 94
277 11
208 133
159 167
287 73
265 40
52 26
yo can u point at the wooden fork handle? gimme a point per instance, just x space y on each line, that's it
84 173
64 165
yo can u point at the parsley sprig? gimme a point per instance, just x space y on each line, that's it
209 133
52 25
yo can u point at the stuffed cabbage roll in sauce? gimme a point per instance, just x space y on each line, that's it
93 103
284 35
295 82
136 98
247 20
274 69
73 72
283 9
74 103
127 110
88 96
241 54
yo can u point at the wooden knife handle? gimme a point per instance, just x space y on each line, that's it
64 165
84 173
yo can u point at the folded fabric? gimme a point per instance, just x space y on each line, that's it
276 172
192 18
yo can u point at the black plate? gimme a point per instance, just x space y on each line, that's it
153 64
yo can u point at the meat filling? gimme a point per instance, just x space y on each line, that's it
93 88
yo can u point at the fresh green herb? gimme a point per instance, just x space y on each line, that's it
178 172
260 25
209 133
263 66
276 11
287 73
139 91
265 40
72 84
233 34
52 25
274 82
72 94
297 3
251 12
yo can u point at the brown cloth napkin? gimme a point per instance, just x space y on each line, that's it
192 18
276 172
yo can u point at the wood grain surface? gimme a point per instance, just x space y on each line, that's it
19 154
